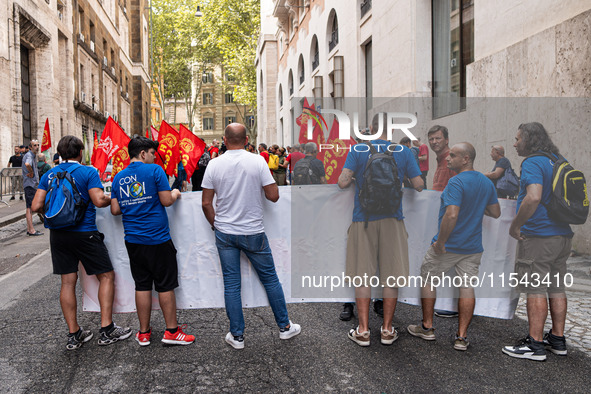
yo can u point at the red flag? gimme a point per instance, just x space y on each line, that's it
148 133
94 147
120 161
334 157
113 138
192 147
46 143
154 133
308 112
168 148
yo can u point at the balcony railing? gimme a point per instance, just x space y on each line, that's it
365 7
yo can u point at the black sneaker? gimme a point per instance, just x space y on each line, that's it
347 312
527 348
378 307
114 334
555 344
77 339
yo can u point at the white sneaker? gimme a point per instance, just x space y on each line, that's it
235 342
292 331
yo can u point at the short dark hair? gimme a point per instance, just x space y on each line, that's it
437 128
140 143
536 138
263 145
69 147
404 141
375 122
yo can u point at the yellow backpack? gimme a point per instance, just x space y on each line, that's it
273 161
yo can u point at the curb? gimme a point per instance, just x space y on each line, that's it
9 219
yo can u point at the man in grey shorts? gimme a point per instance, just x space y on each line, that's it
543 247
465 200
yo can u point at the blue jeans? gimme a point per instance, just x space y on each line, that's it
256 247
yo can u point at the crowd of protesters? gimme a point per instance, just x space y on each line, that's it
241 180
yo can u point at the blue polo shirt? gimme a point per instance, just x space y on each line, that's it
538 170
472 192
136 189
85 178
357 159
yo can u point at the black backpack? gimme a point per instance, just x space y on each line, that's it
303 174
204 160
569 201
381 193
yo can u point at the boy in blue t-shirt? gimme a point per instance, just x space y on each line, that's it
465 200
83 243
140 192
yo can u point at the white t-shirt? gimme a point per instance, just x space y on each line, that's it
238 178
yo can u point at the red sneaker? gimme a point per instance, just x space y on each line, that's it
178 338
143 339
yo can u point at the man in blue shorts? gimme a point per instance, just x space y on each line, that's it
81 242
465 200
140 192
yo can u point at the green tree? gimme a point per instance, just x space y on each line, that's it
233 26
180 54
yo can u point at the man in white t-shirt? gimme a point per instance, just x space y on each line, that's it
240 181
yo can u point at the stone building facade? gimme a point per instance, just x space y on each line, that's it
480 68
215 106
75 63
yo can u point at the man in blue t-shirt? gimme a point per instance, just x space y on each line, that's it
140 192
382 241
543 247
465 200
83 243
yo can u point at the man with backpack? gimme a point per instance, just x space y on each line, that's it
309 170
197 176
544 239
75 238
377 237
140 193
502 174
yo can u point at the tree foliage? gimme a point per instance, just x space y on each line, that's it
180 53
234 27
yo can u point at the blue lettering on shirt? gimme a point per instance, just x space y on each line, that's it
136 189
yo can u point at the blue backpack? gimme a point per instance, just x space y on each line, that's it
64 206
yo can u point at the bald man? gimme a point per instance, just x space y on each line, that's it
241 180
497 153
465 200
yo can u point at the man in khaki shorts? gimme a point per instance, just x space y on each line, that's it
544 245
458 244
377 241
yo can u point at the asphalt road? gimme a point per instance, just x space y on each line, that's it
33 357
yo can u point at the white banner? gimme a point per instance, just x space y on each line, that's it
307 231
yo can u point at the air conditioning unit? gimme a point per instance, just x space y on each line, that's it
92 46
95 107
106 115
115 118
113 70
60 16
125 10
121 88
126 95
81 36
83 96
105 61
